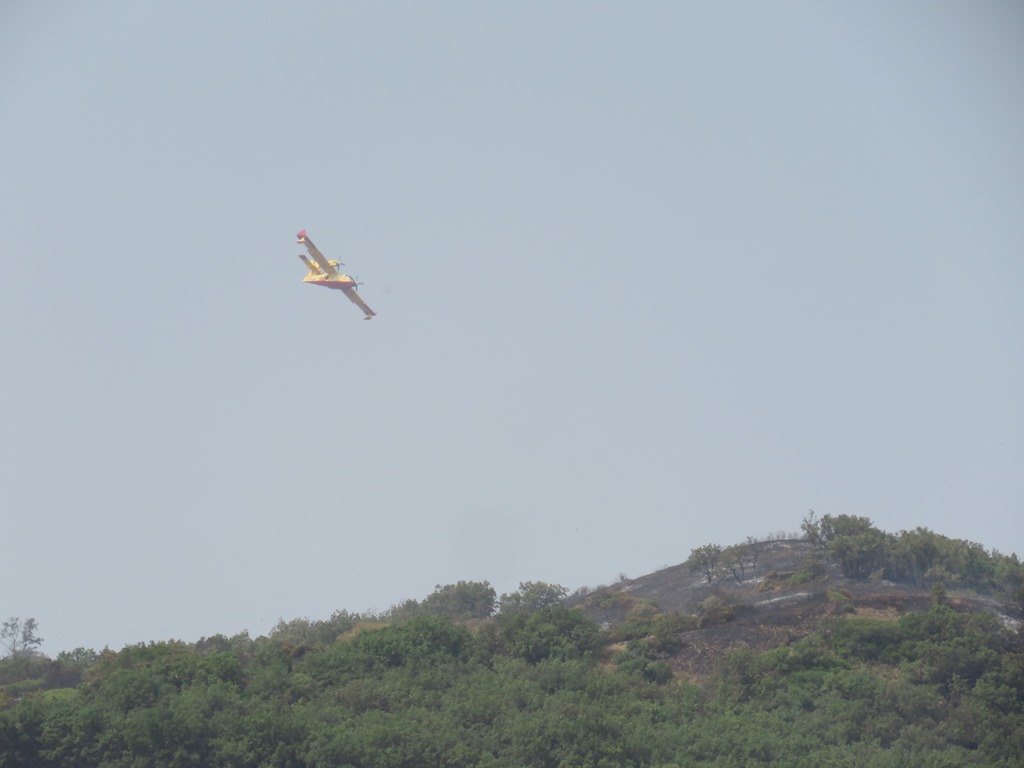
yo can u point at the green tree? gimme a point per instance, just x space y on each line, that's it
912 555
859 548
550 633
533 596
299 632
705 560
80 658
741 559
464 600
1010 575
419 643
811 526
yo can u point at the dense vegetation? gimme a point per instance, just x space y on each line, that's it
916 557
448 682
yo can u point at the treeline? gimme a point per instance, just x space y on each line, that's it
544 688
920 557
25 670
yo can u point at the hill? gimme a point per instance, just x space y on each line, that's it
850 647
786 590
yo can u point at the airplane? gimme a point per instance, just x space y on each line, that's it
324 272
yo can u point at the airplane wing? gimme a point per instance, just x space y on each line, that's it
325 266
356 299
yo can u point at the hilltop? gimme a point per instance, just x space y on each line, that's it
784 595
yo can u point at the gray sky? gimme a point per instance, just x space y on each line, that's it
648 275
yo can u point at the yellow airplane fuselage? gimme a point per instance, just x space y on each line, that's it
335 281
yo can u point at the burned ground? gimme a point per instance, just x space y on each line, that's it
788 596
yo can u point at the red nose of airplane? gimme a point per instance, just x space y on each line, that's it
302 234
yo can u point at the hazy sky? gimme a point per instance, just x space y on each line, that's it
648 276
